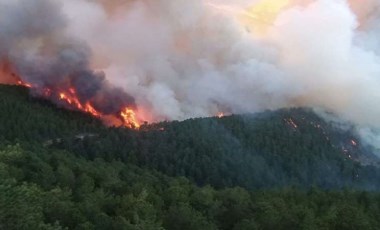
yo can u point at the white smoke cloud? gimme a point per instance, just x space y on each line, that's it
182 59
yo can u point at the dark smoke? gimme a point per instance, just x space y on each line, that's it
33 41
181 59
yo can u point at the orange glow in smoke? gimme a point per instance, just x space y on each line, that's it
262 15
24 84
257 18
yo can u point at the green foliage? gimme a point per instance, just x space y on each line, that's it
25 118
83 194
251 151
269 150
116 178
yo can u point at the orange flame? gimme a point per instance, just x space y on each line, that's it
24 84
129 118
71 100
127 115
89 109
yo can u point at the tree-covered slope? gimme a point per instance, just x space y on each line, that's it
266 150
63 170
26 118
48 189
282 148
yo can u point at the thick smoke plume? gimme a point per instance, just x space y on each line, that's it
181 58
35 49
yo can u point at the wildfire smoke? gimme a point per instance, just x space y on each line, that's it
181 59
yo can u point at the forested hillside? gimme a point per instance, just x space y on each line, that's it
287 169
267 150
27 119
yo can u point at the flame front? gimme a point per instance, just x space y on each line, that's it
73 101
127 116
24 84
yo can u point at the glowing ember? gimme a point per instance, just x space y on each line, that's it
47 92
24 84
291 123
220 115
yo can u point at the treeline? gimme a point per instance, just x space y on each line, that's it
55 190
287 169
269 150
27 119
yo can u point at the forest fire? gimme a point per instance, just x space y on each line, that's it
79 88
127 116
24 84
73 101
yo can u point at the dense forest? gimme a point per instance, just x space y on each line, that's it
286 169
268 150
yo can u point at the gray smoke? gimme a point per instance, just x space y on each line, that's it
33 40
180 59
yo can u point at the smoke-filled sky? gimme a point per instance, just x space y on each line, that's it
189 58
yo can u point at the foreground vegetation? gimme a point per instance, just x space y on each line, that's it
64 170
55 190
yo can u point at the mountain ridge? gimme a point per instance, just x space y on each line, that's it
273 149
